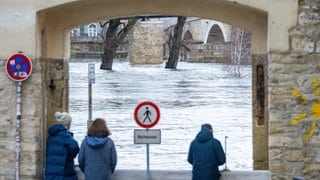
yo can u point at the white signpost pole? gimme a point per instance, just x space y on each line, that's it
91 81
148 162
18 128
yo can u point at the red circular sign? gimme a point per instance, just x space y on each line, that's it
18 67
147 114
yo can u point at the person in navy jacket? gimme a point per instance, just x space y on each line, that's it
206 155
61 150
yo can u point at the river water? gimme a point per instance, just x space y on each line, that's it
193 94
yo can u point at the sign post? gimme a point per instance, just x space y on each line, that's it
91 80
147 115
18 68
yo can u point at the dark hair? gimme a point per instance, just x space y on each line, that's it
98 128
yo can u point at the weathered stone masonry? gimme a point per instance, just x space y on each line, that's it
31 128
142 39
33 131
40 27
260 123
289 154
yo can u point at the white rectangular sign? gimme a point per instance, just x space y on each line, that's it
147 136
91 73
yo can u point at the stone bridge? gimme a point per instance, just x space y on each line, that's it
205 30
285 64
204 40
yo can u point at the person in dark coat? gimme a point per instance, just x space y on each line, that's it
206 155
97 157
61 150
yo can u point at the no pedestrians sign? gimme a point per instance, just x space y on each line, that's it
147 114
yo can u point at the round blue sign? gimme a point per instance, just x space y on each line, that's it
18 67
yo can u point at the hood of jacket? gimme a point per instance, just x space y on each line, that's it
56 128
204 136
96 142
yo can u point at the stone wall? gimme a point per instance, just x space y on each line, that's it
56 82
144 47
294 140
206 53
260 120
84 47
43 93
31 124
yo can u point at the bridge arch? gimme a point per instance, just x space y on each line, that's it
216 33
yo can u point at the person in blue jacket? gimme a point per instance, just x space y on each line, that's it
206 155
97 157
61 150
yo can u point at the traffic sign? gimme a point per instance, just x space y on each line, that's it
18 67
147 114
147 136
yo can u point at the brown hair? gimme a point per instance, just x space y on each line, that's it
99 128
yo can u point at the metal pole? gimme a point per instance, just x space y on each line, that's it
90 104
225 145
18 130
91 80
148 163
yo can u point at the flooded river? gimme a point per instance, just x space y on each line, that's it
189 96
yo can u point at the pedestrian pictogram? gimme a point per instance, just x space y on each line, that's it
147 114
18 67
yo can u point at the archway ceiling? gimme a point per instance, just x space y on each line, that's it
85 11
73 14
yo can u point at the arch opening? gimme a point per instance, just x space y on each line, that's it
56 31
175 153
215 35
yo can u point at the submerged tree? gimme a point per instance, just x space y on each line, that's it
113 38
175 43
238 51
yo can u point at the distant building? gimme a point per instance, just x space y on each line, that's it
204 40
89 30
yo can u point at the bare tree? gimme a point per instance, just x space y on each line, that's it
238 51
175 43
113 39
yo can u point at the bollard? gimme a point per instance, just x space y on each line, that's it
298 178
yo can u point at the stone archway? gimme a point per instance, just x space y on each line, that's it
55 24
283 43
